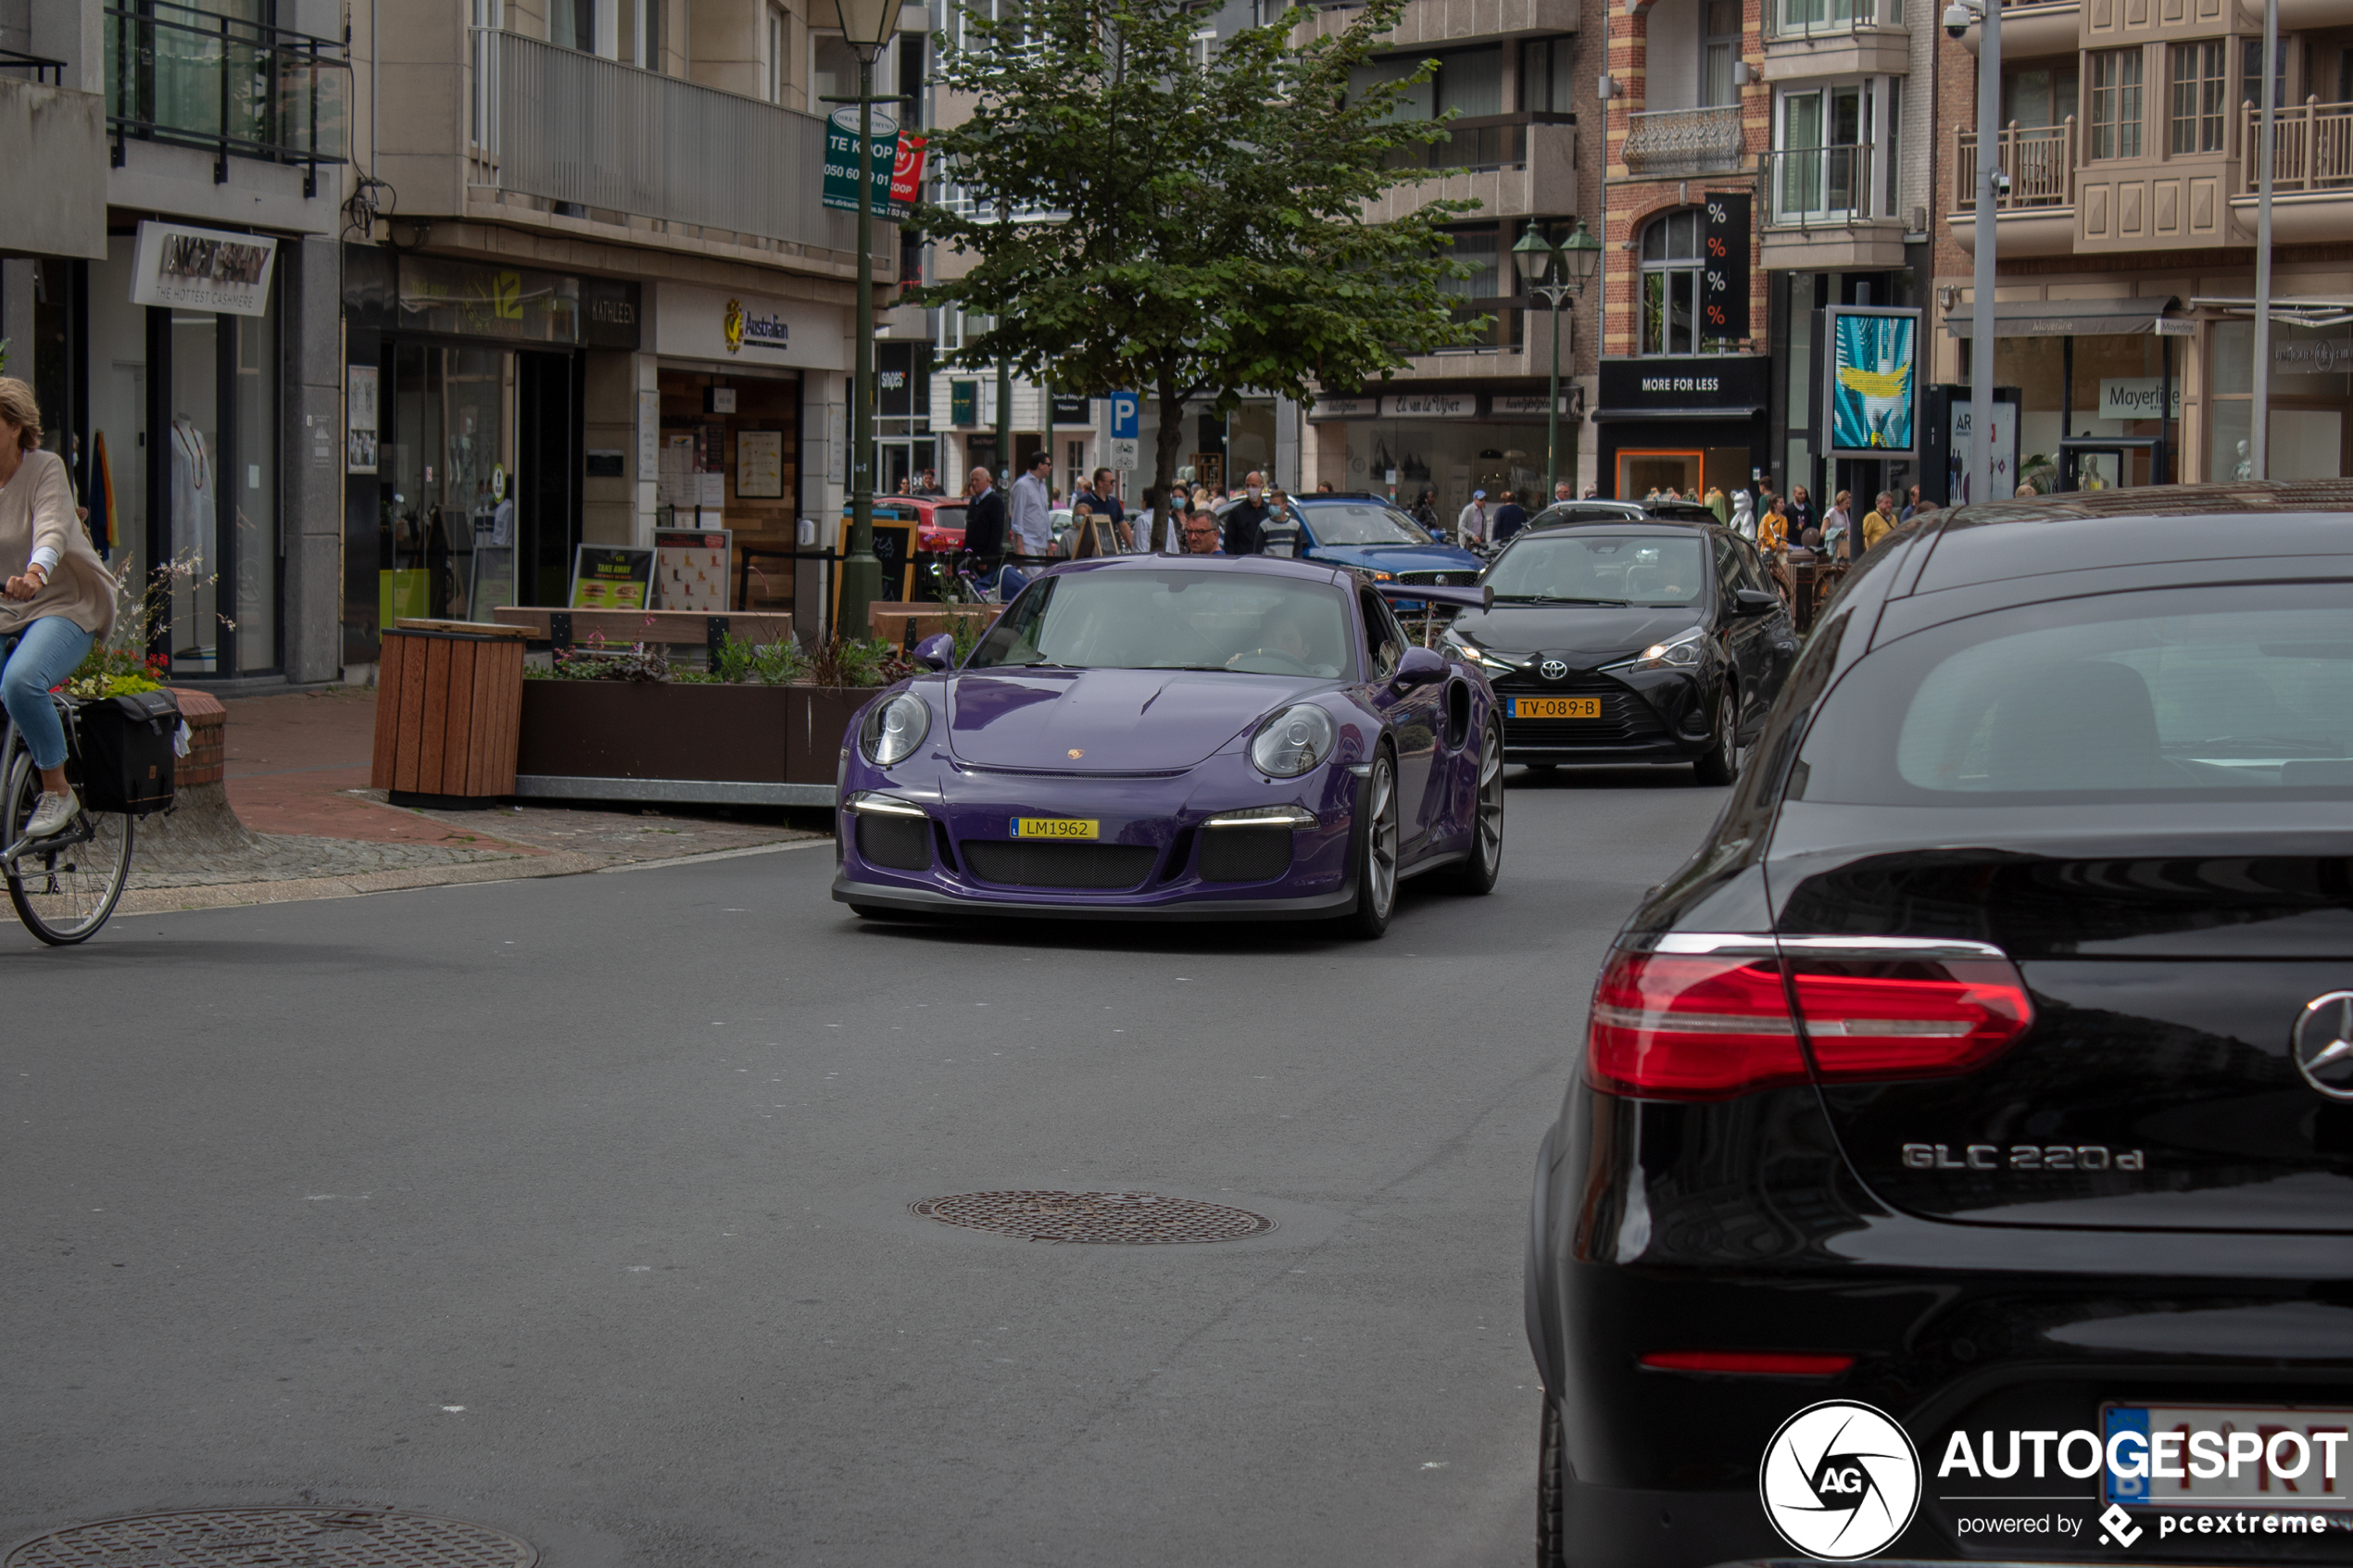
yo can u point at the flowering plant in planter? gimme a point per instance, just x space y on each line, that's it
121 666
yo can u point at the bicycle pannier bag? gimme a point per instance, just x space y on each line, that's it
127 752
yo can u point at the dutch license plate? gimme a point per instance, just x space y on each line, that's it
1057 827
2256 1484
1556 708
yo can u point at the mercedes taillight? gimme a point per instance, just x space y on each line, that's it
1702 1016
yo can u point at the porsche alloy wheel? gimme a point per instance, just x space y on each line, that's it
1376 852
1476 871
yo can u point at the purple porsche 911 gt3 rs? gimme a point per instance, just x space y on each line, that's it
1190 738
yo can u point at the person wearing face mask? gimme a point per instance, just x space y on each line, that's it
1245 524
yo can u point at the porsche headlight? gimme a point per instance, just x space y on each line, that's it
1293 741
893 730
1486 659
1681 651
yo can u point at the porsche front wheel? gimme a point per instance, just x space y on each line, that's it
1376 853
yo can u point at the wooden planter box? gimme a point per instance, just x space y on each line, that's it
632 740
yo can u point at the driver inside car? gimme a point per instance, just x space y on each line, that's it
1280 633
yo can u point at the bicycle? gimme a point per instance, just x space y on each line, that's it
66 886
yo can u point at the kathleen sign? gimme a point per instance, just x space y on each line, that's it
202 269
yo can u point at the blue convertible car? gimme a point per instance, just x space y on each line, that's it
1193 737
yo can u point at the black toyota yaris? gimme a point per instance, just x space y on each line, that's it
1990 1065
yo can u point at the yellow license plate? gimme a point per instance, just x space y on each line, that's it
1056 827
1556 708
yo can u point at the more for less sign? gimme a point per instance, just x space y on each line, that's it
898 166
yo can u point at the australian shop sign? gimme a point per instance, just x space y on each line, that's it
899 166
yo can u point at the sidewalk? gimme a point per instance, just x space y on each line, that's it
298 772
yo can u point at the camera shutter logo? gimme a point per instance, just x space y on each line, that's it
1841 1481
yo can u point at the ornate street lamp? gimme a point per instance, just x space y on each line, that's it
1558 272
866 27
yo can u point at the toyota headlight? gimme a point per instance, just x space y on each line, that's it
1486 659
893 729
1294 741
1681 651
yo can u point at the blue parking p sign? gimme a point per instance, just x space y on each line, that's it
1124 406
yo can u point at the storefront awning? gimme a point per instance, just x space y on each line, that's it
2066 317
2314 314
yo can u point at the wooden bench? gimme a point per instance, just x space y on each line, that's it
902 624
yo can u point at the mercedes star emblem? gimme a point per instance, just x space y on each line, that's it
1555 668
2322 1044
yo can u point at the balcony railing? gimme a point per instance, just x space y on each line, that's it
36 67
1500 141
562 126
195 78
2038 159
2311 146
1817 187
1820 18
1668 141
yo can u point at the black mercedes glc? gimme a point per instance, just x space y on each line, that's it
1617 641
1990 1066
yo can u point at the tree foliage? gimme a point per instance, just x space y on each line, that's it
1187 227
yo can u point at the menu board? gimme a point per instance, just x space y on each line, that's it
611 577
759 465
690 569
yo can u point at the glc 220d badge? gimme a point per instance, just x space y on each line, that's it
1841 1481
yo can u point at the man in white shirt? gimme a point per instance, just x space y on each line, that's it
1470 528
1031 517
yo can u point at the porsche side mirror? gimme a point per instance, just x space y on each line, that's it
1755 601
1420 667
936 652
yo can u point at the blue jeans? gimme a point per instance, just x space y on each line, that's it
48 651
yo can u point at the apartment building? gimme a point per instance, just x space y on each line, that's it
170 291
1475 418
591 290
2125 259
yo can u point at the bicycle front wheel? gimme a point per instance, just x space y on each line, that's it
64 894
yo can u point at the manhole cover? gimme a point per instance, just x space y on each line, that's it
1132 1217
282 1538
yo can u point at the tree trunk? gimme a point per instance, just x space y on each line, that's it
1169 441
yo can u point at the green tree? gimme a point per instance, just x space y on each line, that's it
1182 226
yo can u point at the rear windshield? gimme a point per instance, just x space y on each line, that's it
2218 691
1591 567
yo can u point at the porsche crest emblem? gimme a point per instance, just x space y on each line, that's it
1077 752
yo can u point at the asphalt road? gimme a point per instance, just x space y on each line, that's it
580 1208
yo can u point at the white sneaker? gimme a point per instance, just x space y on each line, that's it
52 815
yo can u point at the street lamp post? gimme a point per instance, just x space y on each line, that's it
866 27
1557 272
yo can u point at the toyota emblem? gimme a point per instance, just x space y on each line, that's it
1555 668
2322 1044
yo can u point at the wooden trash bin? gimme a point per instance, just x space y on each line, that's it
448 712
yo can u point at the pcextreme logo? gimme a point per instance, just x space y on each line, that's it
1841 1481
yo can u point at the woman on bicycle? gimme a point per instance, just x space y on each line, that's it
56 599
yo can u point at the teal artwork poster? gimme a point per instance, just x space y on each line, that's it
1871 384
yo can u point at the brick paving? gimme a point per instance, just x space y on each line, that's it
294 817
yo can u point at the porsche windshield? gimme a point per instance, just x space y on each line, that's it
1596 567
1173 619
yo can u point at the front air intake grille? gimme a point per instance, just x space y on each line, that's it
902 843
1440 579
1245 854
1019 864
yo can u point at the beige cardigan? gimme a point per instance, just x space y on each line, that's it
36 508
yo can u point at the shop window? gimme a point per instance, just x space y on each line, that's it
2116 103
2198 93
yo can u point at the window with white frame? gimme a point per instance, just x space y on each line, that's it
2116 103
1670 269
1719 48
